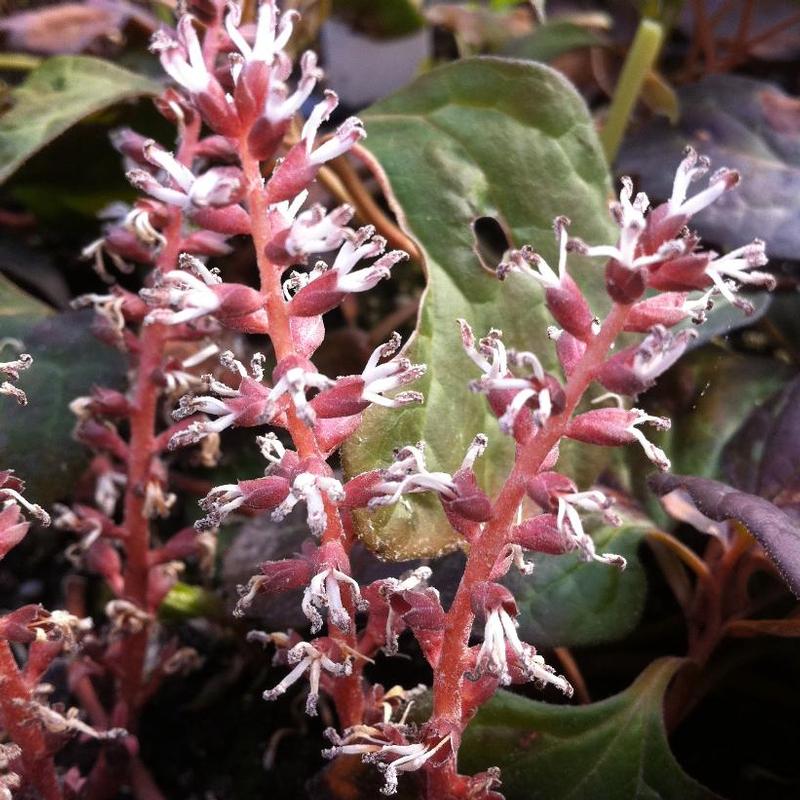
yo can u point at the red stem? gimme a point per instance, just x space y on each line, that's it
24 731
449 672
348 696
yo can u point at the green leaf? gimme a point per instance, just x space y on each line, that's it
616 749
389 18
184 601
36 440
483 137
18 309
571 603
55 96
551 40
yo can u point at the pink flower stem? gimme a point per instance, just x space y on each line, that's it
143 445
449 673
348 695
22 730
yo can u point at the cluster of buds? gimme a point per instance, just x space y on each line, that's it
235 81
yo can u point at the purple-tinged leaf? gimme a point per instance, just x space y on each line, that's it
779 471
764 455
777 533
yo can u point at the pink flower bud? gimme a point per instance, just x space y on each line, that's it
130 144
102 559
470 503
568 349
624 285
541 534
546 487
667 309
183 61
331 433
636 368
105 402
487 597
612 427
17 625
231 220
259 494
179 547
564 299
421 610
324 289
684 273
353 394
250 93
13 527
101 436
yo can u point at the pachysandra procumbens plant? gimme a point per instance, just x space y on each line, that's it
233 105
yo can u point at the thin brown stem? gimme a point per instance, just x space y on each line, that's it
574 674
687 556
369 210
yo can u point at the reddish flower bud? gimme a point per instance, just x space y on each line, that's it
102 436
259 494
17 625
546 487
612 427
324 289
541 534
13 528
667 309
102 558
624 285
353 394
230 220
636 368
486 597
568 349
563 297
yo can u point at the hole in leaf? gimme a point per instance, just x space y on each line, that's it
491 241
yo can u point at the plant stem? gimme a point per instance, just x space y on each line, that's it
143 445
348 696
641 58
24 731
449 673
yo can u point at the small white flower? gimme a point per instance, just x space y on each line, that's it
500 635
569 522
308 658
324 591
312 489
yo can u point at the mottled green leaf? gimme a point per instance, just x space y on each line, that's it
484 137
616 749
55 96
571 603
36 440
